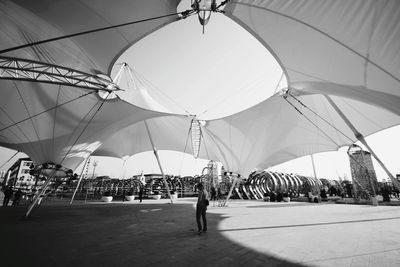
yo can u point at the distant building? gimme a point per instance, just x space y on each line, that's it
19 174
363 174
144 178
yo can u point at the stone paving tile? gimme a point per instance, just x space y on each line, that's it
155 233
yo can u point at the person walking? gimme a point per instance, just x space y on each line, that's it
201 208
141 194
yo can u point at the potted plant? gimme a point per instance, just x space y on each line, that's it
107 197
174 194
285 197
130 196
156 195
266 197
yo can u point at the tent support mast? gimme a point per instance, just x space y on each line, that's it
158 161
361 138
313 166
41 192
315 172
235 179
79 182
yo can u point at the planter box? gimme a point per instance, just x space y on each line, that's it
129 198
106 199
286 199
156 197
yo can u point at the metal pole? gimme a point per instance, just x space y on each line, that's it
315 174
79 181
94 168
230 190
158 161
180 182
36 199
360 137
313 166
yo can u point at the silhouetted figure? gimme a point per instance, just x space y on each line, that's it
272 196
141 194
123 195
8 193
396 192
349 190
389 189
279 196
220 198
17 197
385 193
310 196
323 194
201 208
213 195
332 191
290 194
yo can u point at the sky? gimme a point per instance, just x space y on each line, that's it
227 70
210 75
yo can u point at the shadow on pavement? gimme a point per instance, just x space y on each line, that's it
119 235
309 224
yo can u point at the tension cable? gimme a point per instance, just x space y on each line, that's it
47 110
184 14
310 121
9 159
319 116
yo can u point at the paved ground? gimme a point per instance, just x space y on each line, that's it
155 233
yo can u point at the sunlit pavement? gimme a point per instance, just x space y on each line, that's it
156 233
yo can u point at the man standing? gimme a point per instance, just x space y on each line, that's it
201 208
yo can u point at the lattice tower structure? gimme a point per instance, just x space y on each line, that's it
211 177
363 174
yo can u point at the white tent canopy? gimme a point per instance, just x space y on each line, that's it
320 56
57 122
70 122
267 134
24 22
168 133
346 50
352 43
